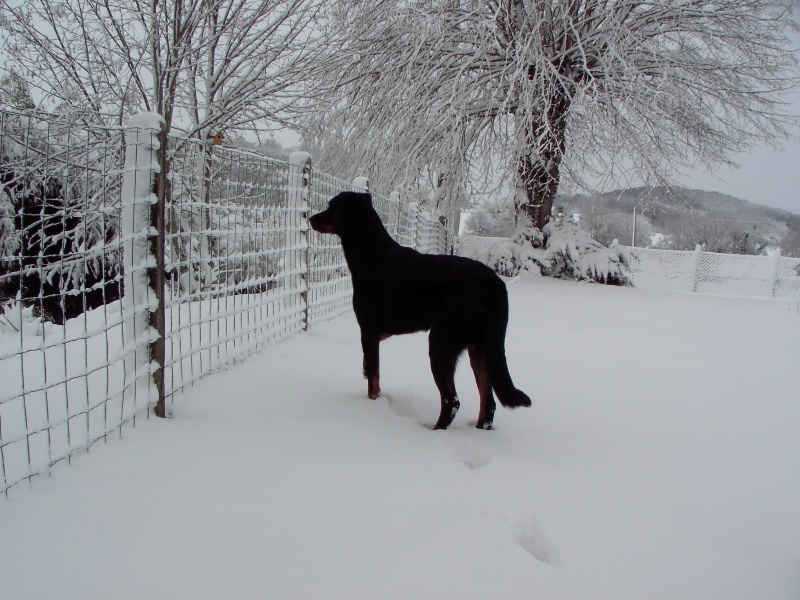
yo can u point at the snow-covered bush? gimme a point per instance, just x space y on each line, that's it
502 257
57 226
562 250
15 318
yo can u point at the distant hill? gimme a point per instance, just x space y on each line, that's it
676 218
680 218
659 201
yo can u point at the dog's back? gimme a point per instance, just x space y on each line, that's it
408 290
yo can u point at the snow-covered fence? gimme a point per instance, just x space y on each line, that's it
690 271
475 246
709 272
113 299
63 367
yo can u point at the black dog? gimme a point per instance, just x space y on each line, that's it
398 290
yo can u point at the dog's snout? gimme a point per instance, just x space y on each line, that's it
321 223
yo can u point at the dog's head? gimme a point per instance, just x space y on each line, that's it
344 211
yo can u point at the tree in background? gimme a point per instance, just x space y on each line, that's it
727 236
605 227
210 68
204 65
543 90
491 220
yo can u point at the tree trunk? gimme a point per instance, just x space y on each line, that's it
539 163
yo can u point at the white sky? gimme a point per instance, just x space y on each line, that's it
765 176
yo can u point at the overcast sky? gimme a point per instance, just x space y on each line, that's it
766 176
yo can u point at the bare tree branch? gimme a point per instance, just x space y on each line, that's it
558 88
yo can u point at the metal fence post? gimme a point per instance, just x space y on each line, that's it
155 273
297 228
145 191
413 215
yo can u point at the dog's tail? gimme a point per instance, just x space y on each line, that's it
494 338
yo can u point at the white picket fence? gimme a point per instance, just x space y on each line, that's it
708 272
692 270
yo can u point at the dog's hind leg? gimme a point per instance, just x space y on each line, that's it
444 356
477 361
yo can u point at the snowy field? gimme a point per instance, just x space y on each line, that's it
660 460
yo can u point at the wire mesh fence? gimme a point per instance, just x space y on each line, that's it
132 264
708 272
62 363
690 271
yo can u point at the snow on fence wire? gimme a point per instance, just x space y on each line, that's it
133 264
63 377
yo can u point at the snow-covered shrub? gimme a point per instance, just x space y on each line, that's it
56 219
9 239
562 250
502 258
529 237
15 318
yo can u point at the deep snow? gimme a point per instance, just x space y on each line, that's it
661 459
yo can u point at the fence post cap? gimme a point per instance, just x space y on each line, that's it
394 196
300 158
361 183
146 120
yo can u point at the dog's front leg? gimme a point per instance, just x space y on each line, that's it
370 344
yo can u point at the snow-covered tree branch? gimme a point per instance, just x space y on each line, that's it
542 90
205 65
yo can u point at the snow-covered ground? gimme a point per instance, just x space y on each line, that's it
660 460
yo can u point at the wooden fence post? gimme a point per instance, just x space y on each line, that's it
395 197
155 273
